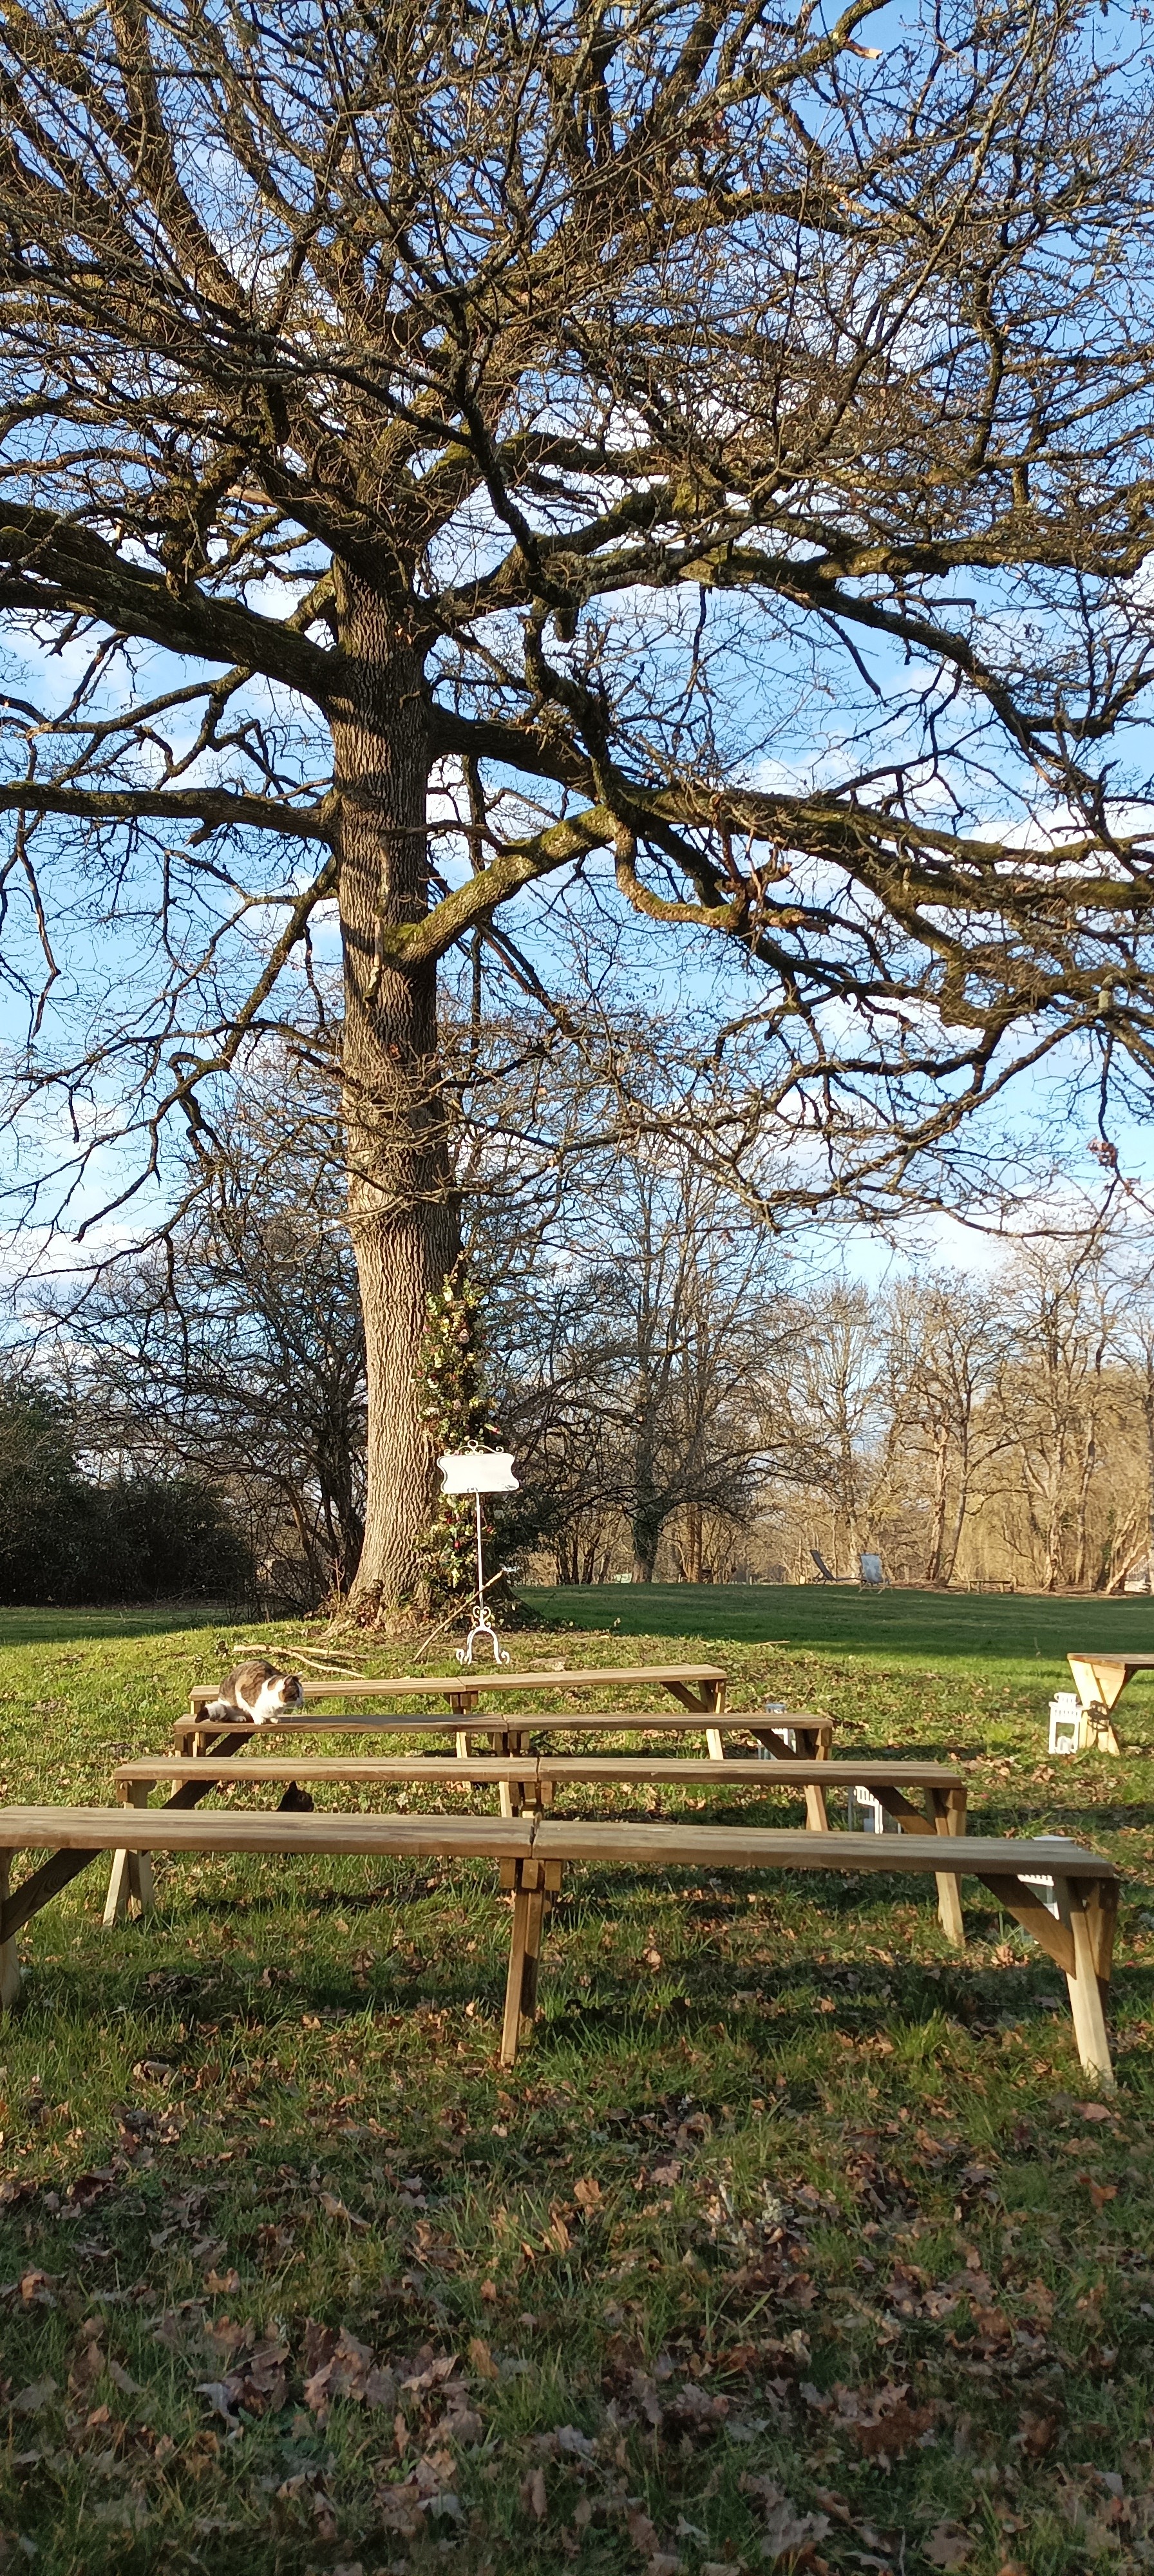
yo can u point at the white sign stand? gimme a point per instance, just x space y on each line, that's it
477 1472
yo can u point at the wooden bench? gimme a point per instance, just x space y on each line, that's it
1100 1679
532 1854
511 1734
75 1836
1080 1938
533 1778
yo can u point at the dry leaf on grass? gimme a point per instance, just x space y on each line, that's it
338 2365
1036 2433
36 2395
1100 2192
533 2494
786 2531
947 2546
642 2532
481 2359
335 2208
398 2509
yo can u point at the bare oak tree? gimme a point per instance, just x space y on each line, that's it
558 407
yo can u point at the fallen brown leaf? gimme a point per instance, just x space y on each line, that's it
1036 2433
36 2395
642 2532
533 2494
947 2546
787 2532
481 2359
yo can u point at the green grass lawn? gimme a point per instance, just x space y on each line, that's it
1015 1628
791 2240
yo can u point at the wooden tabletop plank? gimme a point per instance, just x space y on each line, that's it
478 1681
255 1829
751 1847
1110 1655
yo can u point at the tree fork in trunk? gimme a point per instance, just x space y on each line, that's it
402 1214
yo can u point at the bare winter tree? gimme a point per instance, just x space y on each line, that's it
946 1350
632 1361
559 408
234 1351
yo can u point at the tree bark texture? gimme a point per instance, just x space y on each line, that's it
402 1214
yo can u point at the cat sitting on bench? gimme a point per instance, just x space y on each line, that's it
263 1694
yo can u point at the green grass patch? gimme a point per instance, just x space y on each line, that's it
1021 1629
792 2239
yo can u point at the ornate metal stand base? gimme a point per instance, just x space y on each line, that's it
465 1652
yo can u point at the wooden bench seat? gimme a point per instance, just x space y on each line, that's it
1080 1938
541 1773
511 1733
535 1778
77 1835
532 1854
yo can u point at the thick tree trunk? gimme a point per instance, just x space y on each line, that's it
401 1212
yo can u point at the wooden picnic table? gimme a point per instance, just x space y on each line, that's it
1100 1678
694 1686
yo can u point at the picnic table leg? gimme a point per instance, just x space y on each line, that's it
510 1793
714 1744
817 1820
511 2026
949 1815
1091 1927
131 1875
9 1962
140 1863
533 1936
116 1901
1105 1736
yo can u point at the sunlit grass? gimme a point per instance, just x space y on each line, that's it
776 2170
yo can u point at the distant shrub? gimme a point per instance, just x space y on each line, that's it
63 1538
152 1537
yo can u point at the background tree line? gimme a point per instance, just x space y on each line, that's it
690 1397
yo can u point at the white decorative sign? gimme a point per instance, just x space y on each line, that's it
478 1471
